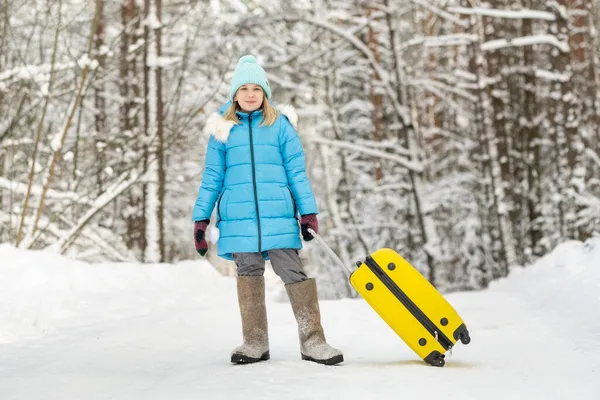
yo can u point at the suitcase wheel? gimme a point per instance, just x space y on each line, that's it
462 334
465 338
436 359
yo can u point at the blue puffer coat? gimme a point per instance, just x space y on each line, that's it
256 175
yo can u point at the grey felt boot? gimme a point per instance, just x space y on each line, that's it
305 303
251 298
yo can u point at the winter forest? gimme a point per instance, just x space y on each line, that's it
463 134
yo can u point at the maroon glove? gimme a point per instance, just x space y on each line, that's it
309 221
199 236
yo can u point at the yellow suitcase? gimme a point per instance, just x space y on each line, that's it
408 303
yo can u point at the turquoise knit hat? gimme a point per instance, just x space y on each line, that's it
248 71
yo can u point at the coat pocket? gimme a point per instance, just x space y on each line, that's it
295 209
219 207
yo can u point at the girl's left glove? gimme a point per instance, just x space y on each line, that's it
200 236
309 221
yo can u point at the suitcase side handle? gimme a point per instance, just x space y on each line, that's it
331 253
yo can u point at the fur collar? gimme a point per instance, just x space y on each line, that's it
220 128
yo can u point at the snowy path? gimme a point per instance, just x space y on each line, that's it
160 343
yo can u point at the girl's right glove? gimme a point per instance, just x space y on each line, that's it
200 236
309 221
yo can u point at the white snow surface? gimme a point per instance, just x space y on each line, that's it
71 330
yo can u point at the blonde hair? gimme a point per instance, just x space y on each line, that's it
269 113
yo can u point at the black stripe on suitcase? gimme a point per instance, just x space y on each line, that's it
409 304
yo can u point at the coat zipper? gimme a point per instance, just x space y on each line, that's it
409 304
254 182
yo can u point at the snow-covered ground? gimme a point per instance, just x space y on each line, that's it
70 330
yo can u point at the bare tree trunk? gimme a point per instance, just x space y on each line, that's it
594 68
487 153
583 46
573 108
160 153
100 133
498 225
149 215
38 133
155 189
562 133
529 130
429 104
76 148
135 237
375 94
516 180
498 139
4 23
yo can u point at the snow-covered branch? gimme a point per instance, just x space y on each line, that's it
447 88
442 13
33 72
552 76
511 14
592 155
92 238
404 187
36 190
453 39
307 59
14 142
123 183
448 134
412 165
590 205
384 144
526 41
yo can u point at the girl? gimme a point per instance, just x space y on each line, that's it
255 174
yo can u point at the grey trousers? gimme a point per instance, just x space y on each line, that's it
286 264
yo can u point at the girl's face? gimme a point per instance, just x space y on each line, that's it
249 97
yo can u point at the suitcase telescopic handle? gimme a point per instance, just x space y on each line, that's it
330 252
